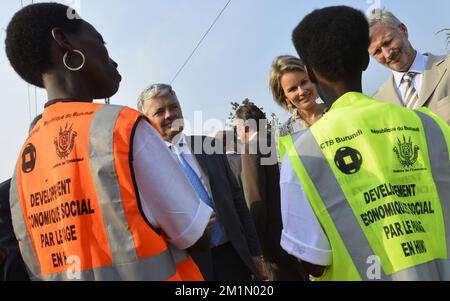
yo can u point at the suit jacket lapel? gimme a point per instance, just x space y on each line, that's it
200 162
388 92
434 72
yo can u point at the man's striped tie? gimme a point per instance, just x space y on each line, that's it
411 97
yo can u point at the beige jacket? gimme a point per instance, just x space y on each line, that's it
435 91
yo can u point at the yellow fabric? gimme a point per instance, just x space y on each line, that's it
442 124
342 268
283 144
394 177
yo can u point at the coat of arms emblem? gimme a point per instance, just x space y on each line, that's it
407 154
65 141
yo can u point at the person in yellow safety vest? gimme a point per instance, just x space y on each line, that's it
368 185
87 203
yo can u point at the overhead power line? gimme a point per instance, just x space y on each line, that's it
35 90
28 85
29 101
200 42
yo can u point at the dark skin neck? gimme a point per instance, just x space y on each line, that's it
330 92
63 84
66 85
95 79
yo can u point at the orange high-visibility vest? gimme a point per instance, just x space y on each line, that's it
74 201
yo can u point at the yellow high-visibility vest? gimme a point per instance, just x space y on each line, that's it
378 179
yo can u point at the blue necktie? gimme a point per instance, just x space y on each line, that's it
217 231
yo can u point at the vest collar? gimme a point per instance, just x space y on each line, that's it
348 99
65 100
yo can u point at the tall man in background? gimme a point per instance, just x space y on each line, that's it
418 80
260 177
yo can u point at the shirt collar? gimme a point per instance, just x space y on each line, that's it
419 65
180 143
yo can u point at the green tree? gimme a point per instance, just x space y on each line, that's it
272 122
235 106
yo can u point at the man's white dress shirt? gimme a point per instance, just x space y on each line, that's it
167 198
418 66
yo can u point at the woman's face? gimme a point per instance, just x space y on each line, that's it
299 90
99 71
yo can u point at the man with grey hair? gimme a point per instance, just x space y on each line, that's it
418 80
171 124
235 252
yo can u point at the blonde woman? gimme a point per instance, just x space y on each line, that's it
293 90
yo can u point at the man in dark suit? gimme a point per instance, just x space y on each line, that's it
231 147
260 177
12 267
235 252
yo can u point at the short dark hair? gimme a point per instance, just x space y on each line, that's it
251 112
29 36
334 41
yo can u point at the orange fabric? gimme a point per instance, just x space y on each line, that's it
61 141
189 271
41 194
146 240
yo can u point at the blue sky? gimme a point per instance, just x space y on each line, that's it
150 39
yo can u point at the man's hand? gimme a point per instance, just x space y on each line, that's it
2 259
203 245
314 270
212 221
261 267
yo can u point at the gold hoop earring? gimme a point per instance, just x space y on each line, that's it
77 68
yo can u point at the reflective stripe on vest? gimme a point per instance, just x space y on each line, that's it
334 199
320 183
108 190
440 166
159 267
151 269
20 229
283 144
126 264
